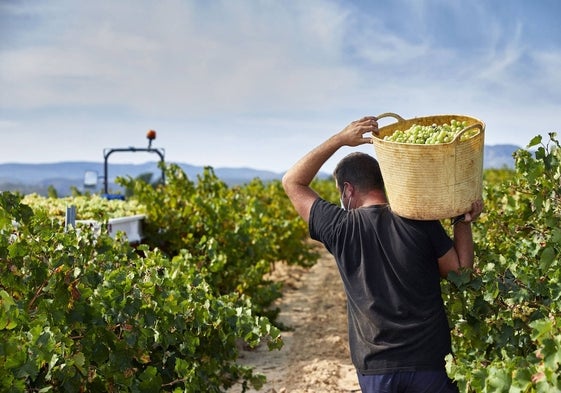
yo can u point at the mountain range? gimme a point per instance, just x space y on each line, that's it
63 176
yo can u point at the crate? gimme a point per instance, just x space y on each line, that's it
431 182
131 226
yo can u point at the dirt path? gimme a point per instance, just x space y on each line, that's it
315 356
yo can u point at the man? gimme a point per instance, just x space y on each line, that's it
390 267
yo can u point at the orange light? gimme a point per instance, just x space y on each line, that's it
151 135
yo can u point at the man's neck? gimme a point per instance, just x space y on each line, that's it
375 197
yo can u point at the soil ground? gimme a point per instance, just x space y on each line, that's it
315 356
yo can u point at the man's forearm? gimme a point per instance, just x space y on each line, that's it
463 243
296 181
304 171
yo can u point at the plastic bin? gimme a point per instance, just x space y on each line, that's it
131 226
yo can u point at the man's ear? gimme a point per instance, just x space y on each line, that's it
350 190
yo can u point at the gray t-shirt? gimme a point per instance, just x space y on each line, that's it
389 268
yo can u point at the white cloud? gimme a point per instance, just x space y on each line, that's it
287 72
172 60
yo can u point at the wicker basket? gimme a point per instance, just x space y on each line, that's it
431 182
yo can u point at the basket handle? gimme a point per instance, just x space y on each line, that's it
390 114
471 127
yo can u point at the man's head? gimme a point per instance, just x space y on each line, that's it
361 170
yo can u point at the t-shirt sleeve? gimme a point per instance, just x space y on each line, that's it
442 243
322 224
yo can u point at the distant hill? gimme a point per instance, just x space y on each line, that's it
28 178
499 156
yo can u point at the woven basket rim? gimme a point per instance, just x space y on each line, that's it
377 138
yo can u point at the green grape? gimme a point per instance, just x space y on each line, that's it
433 134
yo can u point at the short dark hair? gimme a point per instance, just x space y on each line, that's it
361 170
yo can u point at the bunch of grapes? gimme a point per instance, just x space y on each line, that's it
433 134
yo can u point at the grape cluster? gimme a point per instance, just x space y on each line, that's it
433 134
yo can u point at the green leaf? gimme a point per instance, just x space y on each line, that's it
460 279
151 381
182 367
79 362
556 235
521 381
541 328
547 257
535 141
498 380
551 352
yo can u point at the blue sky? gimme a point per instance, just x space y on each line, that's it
258 83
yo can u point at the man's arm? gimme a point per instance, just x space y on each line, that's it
462 254
296 181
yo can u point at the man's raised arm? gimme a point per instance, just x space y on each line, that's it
296 181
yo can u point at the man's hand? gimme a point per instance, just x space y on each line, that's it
476 209
354 133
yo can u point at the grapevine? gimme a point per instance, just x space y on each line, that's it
80 312
506 314
433 134
92 207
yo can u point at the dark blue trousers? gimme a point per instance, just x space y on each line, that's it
408 382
